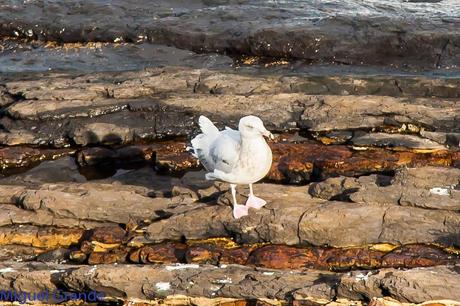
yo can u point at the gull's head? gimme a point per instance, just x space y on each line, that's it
252 126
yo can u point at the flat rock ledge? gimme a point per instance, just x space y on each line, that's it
107 108
233 281
427 212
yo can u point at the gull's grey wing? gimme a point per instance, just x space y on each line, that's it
224 152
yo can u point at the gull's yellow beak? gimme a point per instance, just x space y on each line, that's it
269 135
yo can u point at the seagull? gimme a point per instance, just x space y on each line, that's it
236 157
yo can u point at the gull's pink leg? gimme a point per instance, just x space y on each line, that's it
254 201
238 210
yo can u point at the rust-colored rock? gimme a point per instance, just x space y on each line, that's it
171 156
295 162
349 258
108 234
202 254
86 247
411 256
113 256
213 254
282 257
169 252
292 162
18 156
287 257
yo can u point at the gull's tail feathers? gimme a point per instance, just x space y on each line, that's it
202 142
207 127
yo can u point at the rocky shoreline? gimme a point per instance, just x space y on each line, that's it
98 193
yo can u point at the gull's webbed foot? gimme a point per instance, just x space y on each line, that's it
255 202
239 211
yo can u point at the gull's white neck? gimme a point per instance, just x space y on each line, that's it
252 145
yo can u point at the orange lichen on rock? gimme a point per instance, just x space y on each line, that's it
43 238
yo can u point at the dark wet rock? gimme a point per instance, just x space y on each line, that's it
18 137
60 170
96 156
59 255
399 32
23 56
121 156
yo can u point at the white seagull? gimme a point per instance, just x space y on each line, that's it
236 157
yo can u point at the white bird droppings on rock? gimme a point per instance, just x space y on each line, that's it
362 277
6 270
182 266
226 280
440 191
163 286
